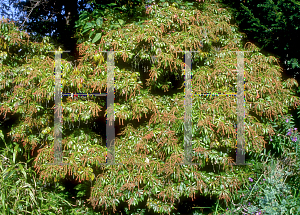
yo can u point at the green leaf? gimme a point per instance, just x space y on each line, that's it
92 176
99 21
121 21
2 136
97 37
83 15
15 153
85 31
88 25
116 26
92 32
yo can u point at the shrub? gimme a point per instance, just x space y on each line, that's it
149 107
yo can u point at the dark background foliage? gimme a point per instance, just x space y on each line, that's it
57 19
273 26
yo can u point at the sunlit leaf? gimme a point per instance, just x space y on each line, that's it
121 21
99 21
97 37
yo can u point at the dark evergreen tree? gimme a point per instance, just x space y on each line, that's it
274 26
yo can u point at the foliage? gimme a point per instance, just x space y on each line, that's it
50 18
273 25
259 194
19 188
266 198
57 18
149 107
112 16
23 193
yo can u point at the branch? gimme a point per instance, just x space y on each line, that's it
37 3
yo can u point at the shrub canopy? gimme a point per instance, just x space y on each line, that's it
149 106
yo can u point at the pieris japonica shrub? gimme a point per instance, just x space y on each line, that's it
149 108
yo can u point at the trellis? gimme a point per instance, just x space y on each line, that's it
110 129
240 145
